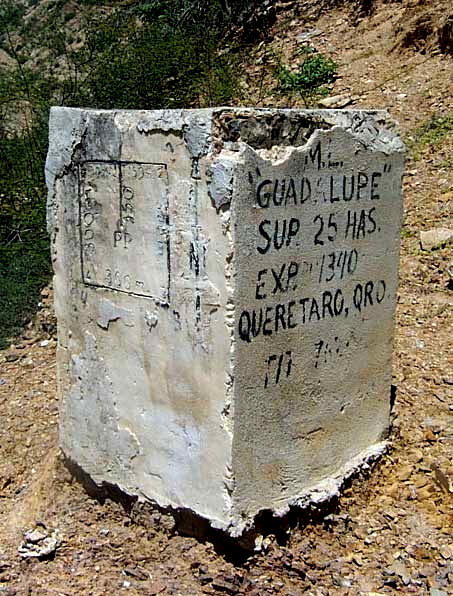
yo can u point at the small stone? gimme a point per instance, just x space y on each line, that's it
450 270
306 35
435 238
155 588
136 572
44 343
35 536
446 551
405 473
39 543
299 567
434 424
12 356
398 568
335 101
224 586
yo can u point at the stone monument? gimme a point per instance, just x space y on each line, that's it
225 285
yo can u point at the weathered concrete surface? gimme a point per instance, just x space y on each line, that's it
225 286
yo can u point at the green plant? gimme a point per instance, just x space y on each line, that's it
171 60
11 14
24 245
25 96
406 232
69 16
432 132
309 79
24 270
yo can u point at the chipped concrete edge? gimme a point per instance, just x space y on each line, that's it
373 128
323 491
314 497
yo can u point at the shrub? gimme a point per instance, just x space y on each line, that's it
24 270
24 245
308 80
171 59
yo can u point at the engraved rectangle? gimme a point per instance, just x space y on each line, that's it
124 227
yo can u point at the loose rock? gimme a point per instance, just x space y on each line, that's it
435 238
335 101
39 543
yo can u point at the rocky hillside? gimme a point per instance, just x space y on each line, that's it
390 532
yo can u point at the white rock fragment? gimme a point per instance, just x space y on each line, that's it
435 238
39 543
335 101
225 286
307 35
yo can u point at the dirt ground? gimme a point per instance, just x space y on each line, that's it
391 530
